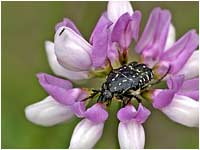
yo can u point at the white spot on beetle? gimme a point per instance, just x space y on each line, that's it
147 77
130 67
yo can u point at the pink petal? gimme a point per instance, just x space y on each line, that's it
126 28
79 109
127 113
72 50
142 114
100 41
162 98
60 70
181 51
86 134
48 112
183 110
175 82
51 80
154 37
131 135
116 8
67 23
96 113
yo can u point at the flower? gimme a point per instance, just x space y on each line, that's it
71 56
130 131
69 46
157 46
89 130
179 102
86 134
48 112
57 107
60 70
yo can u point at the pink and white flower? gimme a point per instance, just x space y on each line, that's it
130 131
71 56
57 107
180 102
157 45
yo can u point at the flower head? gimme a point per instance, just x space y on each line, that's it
106 54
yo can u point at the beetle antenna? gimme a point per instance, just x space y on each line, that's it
163 76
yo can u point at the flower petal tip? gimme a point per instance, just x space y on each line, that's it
48 112
131 135
69 46
142 114
127 113
96 113
116 8
86 134
162 98
183 110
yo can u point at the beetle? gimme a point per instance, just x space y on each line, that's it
125 83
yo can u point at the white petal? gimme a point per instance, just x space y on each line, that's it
72 51
116 8
171 37
48 112
191 68
131 135
58 69
86 134
183 110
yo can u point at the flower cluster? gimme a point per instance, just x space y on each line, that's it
72 57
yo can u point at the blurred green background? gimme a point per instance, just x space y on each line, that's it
25 27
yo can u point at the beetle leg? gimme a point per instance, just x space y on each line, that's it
93 90
126 100
109 102
138 98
